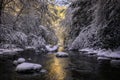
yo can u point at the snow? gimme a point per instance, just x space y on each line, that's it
30 47
103 52
1 53
61 54
89 50
10 51
115 54
17 49
109 53
103 58
51 48
43 71
28 66
20 60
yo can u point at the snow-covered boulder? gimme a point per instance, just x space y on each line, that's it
28 67
9 52
13 51
61 54
51 48
88 51
20 60
115 55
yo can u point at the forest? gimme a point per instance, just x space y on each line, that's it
59 39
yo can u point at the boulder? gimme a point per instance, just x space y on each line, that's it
20 60
28 67
61 54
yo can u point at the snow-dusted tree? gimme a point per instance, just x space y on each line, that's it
77 17
94 23
25 17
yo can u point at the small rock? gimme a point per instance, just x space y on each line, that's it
43 71
15 62
20 60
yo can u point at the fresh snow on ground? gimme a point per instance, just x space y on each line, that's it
115 54
10 51
51 48
103 52
61 54
28 66
88 50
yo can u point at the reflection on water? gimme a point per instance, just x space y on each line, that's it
61 49
76 67
57 70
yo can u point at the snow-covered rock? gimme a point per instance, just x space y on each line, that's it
103 58
115 54
20 60
103 53
109 53
43 71
28 67
88 51
61 54
10 51
51 48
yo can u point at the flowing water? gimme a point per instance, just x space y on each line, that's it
76 67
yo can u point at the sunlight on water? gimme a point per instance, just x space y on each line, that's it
57 69
61 49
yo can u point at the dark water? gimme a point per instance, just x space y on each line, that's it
76 67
